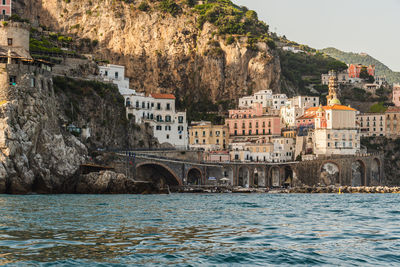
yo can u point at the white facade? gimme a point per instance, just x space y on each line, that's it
265 98
169 126
289 115
158 110
304 102
284 149
292 49
115 74
372 124
296 107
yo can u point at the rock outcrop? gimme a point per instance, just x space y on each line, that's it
108 182
35 153
162 52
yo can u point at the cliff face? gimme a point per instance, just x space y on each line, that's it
99 109
37 152
35 155
162 52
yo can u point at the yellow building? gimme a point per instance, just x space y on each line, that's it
392 122
205 136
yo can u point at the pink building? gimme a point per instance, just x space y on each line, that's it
308 118
5 7
255 111
261 125
396 95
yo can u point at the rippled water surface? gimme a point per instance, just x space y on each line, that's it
185 229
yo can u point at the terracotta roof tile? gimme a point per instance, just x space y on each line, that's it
163 96
334 107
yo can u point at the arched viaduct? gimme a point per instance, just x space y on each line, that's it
359 170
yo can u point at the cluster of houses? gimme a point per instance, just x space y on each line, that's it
351 76
265 127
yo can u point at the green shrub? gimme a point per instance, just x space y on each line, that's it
271 44
144 6
377 108
230 40
169 6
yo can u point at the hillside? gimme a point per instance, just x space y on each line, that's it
354 58
214 51
208 53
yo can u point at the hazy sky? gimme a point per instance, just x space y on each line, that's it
371 26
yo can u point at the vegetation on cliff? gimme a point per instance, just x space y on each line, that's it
100 107
364 59
301 70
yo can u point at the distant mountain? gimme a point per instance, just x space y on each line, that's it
365 59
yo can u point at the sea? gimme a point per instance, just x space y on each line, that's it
200 230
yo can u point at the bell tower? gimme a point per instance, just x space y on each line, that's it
333 86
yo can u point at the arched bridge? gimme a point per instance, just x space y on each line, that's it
181 168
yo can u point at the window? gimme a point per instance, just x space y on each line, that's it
158 128
33 82
137 104
13 80
180 137
167 136
168 118
116 75
4 12
180 119
106 73
158 106
159 118
168 106
329 136
4 2
10 41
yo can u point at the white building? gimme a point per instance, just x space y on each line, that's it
343 77
158 110
169 126
115 74
292 49
372 124
295 107
284 149
266 98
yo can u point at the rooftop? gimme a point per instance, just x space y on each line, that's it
163 96
333 107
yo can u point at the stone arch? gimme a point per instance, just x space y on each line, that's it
194 176
288 175
260 176
375 172
329 174
157 173
358 174
275 176
244 176
227 172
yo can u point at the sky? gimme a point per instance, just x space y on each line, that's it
370 26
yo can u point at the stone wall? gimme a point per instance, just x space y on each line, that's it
18 31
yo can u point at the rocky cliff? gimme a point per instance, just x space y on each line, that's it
37 152
163 51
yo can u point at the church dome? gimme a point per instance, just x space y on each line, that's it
335 101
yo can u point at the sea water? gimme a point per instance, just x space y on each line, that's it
194 229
